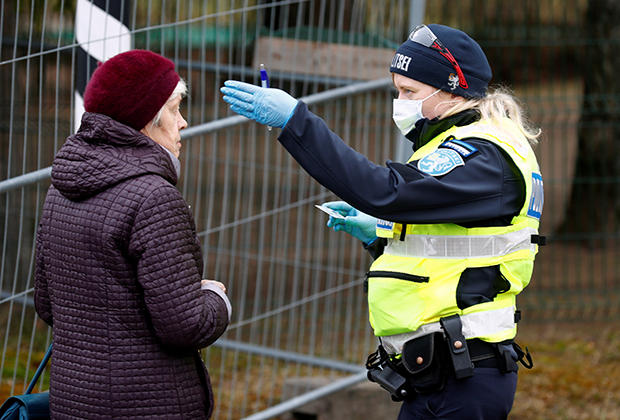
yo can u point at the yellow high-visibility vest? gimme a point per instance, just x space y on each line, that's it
414 283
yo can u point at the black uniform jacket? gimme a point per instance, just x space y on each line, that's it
488 190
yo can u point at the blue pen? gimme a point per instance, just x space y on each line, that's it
264 80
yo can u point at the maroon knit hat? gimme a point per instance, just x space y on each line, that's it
131 87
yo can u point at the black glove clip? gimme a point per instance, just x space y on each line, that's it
459 352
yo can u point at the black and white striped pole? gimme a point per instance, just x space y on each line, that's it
101 30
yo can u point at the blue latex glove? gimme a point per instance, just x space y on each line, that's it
272 107
357 224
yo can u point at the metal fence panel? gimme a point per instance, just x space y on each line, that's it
299 308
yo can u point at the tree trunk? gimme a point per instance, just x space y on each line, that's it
594 208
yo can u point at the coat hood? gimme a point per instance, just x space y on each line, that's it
103 153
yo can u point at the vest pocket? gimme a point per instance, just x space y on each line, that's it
397 275
480 285
394 300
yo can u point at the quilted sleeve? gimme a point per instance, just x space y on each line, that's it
41 294
169 267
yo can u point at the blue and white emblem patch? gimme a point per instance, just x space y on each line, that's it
537 200
440 162
385 225
464 149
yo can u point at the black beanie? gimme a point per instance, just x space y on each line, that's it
428 66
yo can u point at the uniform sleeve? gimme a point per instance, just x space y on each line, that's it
169 268
487 185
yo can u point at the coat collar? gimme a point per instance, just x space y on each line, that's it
425 130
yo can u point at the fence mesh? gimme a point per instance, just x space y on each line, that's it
296 286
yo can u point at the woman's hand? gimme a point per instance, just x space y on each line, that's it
217 283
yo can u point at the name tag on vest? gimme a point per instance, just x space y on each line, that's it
538 197
385 225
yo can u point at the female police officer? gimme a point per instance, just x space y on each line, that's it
453 231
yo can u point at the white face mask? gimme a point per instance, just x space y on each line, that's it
408 112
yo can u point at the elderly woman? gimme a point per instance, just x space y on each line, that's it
119 265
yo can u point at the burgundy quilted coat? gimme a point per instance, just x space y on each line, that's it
118 277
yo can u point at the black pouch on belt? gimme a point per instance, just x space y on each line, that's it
457 347
424 359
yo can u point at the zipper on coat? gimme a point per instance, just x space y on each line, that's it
394 275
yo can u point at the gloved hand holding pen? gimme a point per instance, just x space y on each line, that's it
357 224
271 107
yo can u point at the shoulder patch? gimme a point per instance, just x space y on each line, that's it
440 162
463 148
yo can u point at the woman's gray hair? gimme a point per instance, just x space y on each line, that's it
180 89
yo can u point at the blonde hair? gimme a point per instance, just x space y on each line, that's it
500 102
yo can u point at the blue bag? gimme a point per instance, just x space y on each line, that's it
29 406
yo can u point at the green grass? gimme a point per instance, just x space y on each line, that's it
14 349
576 372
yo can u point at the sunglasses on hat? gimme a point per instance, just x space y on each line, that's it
424 36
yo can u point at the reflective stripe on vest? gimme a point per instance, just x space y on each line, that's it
474 246
477 324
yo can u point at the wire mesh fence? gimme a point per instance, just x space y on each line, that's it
296 287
